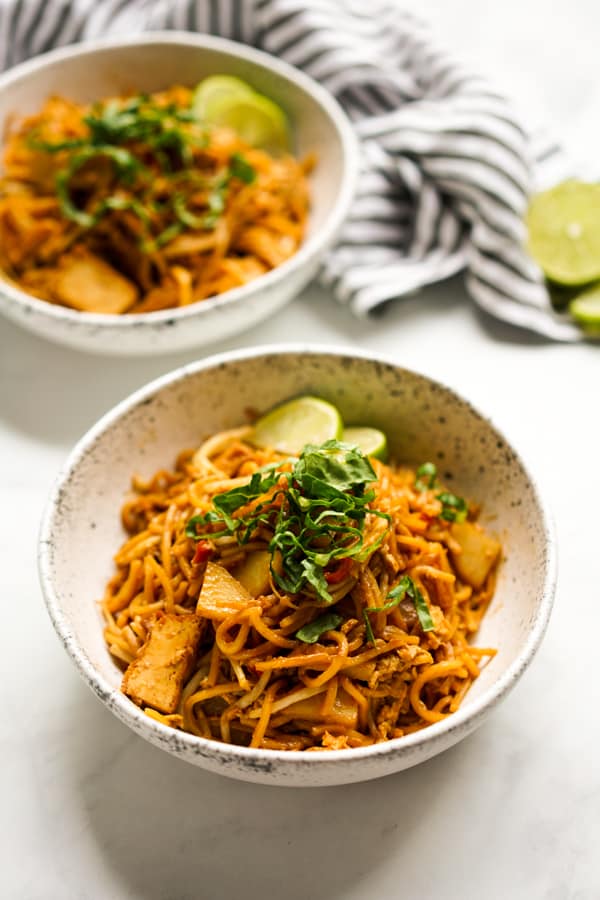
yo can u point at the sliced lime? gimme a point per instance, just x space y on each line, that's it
370 441
305 420
585 308
592 331
213 90
256 119
564 232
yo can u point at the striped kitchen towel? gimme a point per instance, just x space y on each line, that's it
446 165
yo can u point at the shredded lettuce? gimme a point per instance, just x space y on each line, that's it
316 514
405 588
311 633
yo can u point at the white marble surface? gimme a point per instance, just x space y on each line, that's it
90 811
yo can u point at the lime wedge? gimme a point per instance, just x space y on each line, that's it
585 308
564 232
223 100
370 441
213 89
305 420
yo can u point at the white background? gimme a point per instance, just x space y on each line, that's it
91 811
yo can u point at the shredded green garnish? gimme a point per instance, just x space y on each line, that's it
311 633
316 514
34 142
454 509
129 133
241 168
185 217
426 477
405 588
166 236
141 120
126 168
421 606
369 627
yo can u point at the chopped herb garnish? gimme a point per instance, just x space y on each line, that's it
216 201
396 595
454 509
238 168
216 205
141 120
316 514
200 521
368 627
126 167
184 215
426 476
311 633
34 142
134 134
405 588
229 502
241 168
422 608
166 236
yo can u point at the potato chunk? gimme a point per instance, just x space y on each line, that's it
85 282
156 676
479 552
254 573
344 712
222 595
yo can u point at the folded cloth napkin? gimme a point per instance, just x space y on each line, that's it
446 165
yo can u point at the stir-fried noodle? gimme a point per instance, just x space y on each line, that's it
372 645
134 205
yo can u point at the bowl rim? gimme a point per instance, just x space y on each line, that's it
465 719
311 247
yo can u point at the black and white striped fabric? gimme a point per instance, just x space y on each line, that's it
447 167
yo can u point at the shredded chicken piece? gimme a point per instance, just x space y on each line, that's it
335 742
385 668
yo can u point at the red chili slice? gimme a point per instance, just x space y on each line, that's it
338 574
204 551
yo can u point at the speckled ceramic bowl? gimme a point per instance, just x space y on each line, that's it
150 62
424 421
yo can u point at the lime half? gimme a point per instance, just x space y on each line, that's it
585 309
230 102
214 89
564 232
305 420
370 441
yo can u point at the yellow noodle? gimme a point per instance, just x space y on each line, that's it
253 681
135 241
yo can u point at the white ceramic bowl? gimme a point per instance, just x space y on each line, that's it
150 62
424 420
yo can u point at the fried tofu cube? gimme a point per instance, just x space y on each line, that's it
479 552
156 676
85 282
222 595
